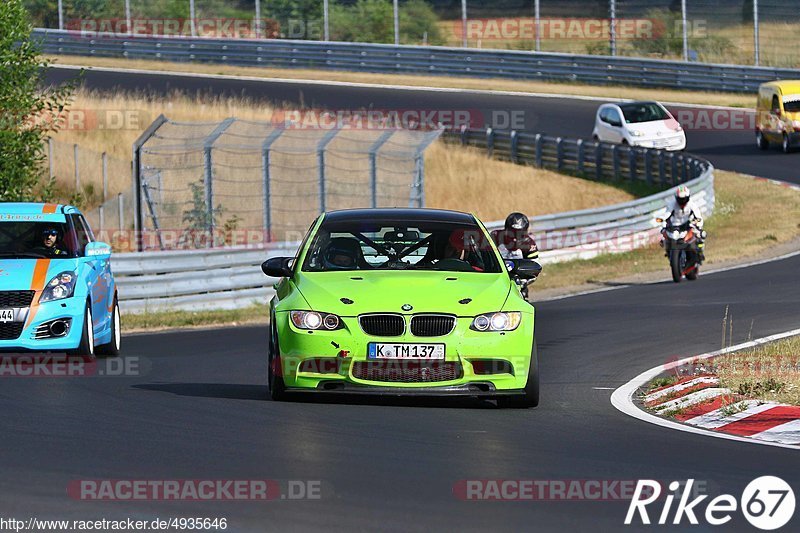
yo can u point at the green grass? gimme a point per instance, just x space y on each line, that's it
256 314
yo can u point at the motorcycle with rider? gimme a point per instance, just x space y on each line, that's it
515 242
683 236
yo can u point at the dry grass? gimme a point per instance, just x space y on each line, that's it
456 177
750 217
464 179
566 89
770 372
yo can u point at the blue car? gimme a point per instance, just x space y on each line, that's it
57 293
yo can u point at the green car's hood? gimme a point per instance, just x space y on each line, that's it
388 291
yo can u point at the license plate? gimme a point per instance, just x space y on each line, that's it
6 315
377 350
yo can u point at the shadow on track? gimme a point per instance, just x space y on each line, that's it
235 391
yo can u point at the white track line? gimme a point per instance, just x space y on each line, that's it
622 398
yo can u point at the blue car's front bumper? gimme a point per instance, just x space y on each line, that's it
71 308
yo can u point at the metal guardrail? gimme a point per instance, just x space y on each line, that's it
230 278
519 65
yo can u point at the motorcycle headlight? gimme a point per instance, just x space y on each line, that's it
313 320
496 321
60 287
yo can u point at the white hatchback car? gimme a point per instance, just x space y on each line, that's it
645 124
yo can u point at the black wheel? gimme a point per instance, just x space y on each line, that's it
530 398
86 346
676 260
785 145
112 348
277 388
761 141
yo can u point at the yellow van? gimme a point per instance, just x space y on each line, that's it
778 114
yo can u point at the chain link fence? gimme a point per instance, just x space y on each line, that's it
746 32
240 182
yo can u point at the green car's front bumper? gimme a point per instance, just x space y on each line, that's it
475 364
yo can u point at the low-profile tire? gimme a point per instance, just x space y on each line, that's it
530 398
86 346
111 349
277 387
786 145
761 141
675 265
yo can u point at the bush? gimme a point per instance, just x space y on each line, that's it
372 21
28 114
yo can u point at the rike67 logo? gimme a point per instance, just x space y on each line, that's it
767 503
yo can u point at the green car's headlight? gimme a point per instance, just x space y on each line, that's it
496 321
61 286
313 320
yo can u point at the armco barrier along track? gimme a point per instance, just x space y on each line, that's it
518 65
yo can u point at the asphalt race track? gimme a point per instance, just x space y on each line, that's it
200 409
730 148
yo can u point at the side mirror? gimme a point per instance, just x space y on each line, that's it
278 267
525 268
97 250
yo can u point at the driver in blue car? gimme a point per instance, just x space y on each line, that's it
50 245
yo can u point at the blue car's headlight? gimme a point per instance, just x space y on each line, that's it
496 321
61 286
314 320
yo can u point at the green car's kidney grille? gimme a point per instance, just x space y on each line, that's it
383 325
432 325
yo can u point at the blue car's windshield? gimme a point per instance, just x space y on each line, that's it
395 246
36 239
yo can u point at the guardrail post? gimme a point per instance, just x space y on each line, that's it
581 157
266 170
615 160
464 133
662 174
632 159
514 146
648 166
489 142
121 208
559 153
538 140
321 147
373 164
598 161
684 169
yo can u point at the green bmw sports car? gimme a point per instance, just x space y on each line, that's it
402 302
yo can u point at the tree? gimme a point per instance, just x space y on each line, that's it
29 111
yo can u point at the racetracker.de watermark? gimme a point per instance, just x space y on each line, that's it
33 365
419 119
78 119
194 489
551 489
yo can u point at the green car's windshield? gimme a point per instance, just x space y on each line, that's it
376 245
36 240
